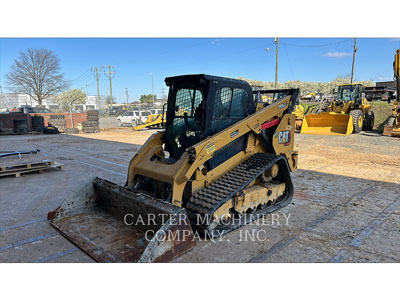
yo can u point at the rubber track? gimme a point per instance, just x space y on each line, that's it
209 199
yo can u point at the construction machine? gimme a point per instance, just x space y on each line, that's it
299 114
349 113
153 121
309 97
392 126
222 161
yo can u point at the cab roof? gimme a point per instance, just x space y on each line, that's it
352 84
198 77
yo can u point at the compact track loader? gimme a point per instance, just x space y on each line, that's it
392 126
222 161
349 113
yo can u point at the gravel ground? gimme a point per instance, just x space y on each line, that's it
367 155
346 206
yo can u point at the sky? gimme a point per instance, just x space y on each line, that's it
135 59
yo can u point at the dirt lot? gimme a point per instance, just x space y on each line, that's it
346 206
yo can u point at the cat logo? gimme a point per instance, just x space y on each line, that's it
284 137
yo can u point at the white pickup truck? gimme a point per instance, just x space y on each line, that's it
133 118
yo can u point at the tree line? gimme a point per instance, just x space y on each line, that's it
306 87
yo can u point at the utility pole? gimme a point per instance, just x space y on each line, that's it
110 74
163 94
354 59
96 70
127 103
152 86
277 60
1 98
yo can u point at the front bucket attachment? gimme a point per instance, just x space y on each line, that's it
387 130
396 132
114 224
327 124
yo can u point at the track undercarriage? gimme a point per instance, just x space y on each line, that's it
256 187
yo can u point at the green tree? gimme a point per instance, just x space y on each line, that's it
69 98
147 99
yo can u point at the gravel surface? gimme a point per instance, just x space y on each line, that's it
365 156
346 206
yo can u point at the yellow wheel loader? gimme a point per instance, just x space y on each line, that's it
349 113
222 161
392 126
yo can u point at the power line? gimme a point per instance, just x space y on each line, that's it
82 76
290 64
86 85
219 57
168 52
315 46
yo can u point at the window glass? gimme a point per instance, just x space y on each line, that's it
222 104
230 107
145 113
185 129
187 100
348 93
239 104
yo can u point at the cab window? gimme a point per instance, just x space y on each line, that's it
230 107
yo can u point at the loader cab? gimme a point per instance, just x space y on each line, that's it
350 92
202 105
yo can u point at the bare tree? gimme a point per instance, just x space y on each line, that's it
36 72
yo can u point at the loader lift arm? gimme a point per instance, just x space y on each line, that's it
253 123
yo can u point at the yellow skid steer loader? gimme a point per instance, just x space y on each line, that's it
222 161
349 113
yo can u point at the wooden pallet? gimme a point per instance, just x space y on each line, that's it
18 169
